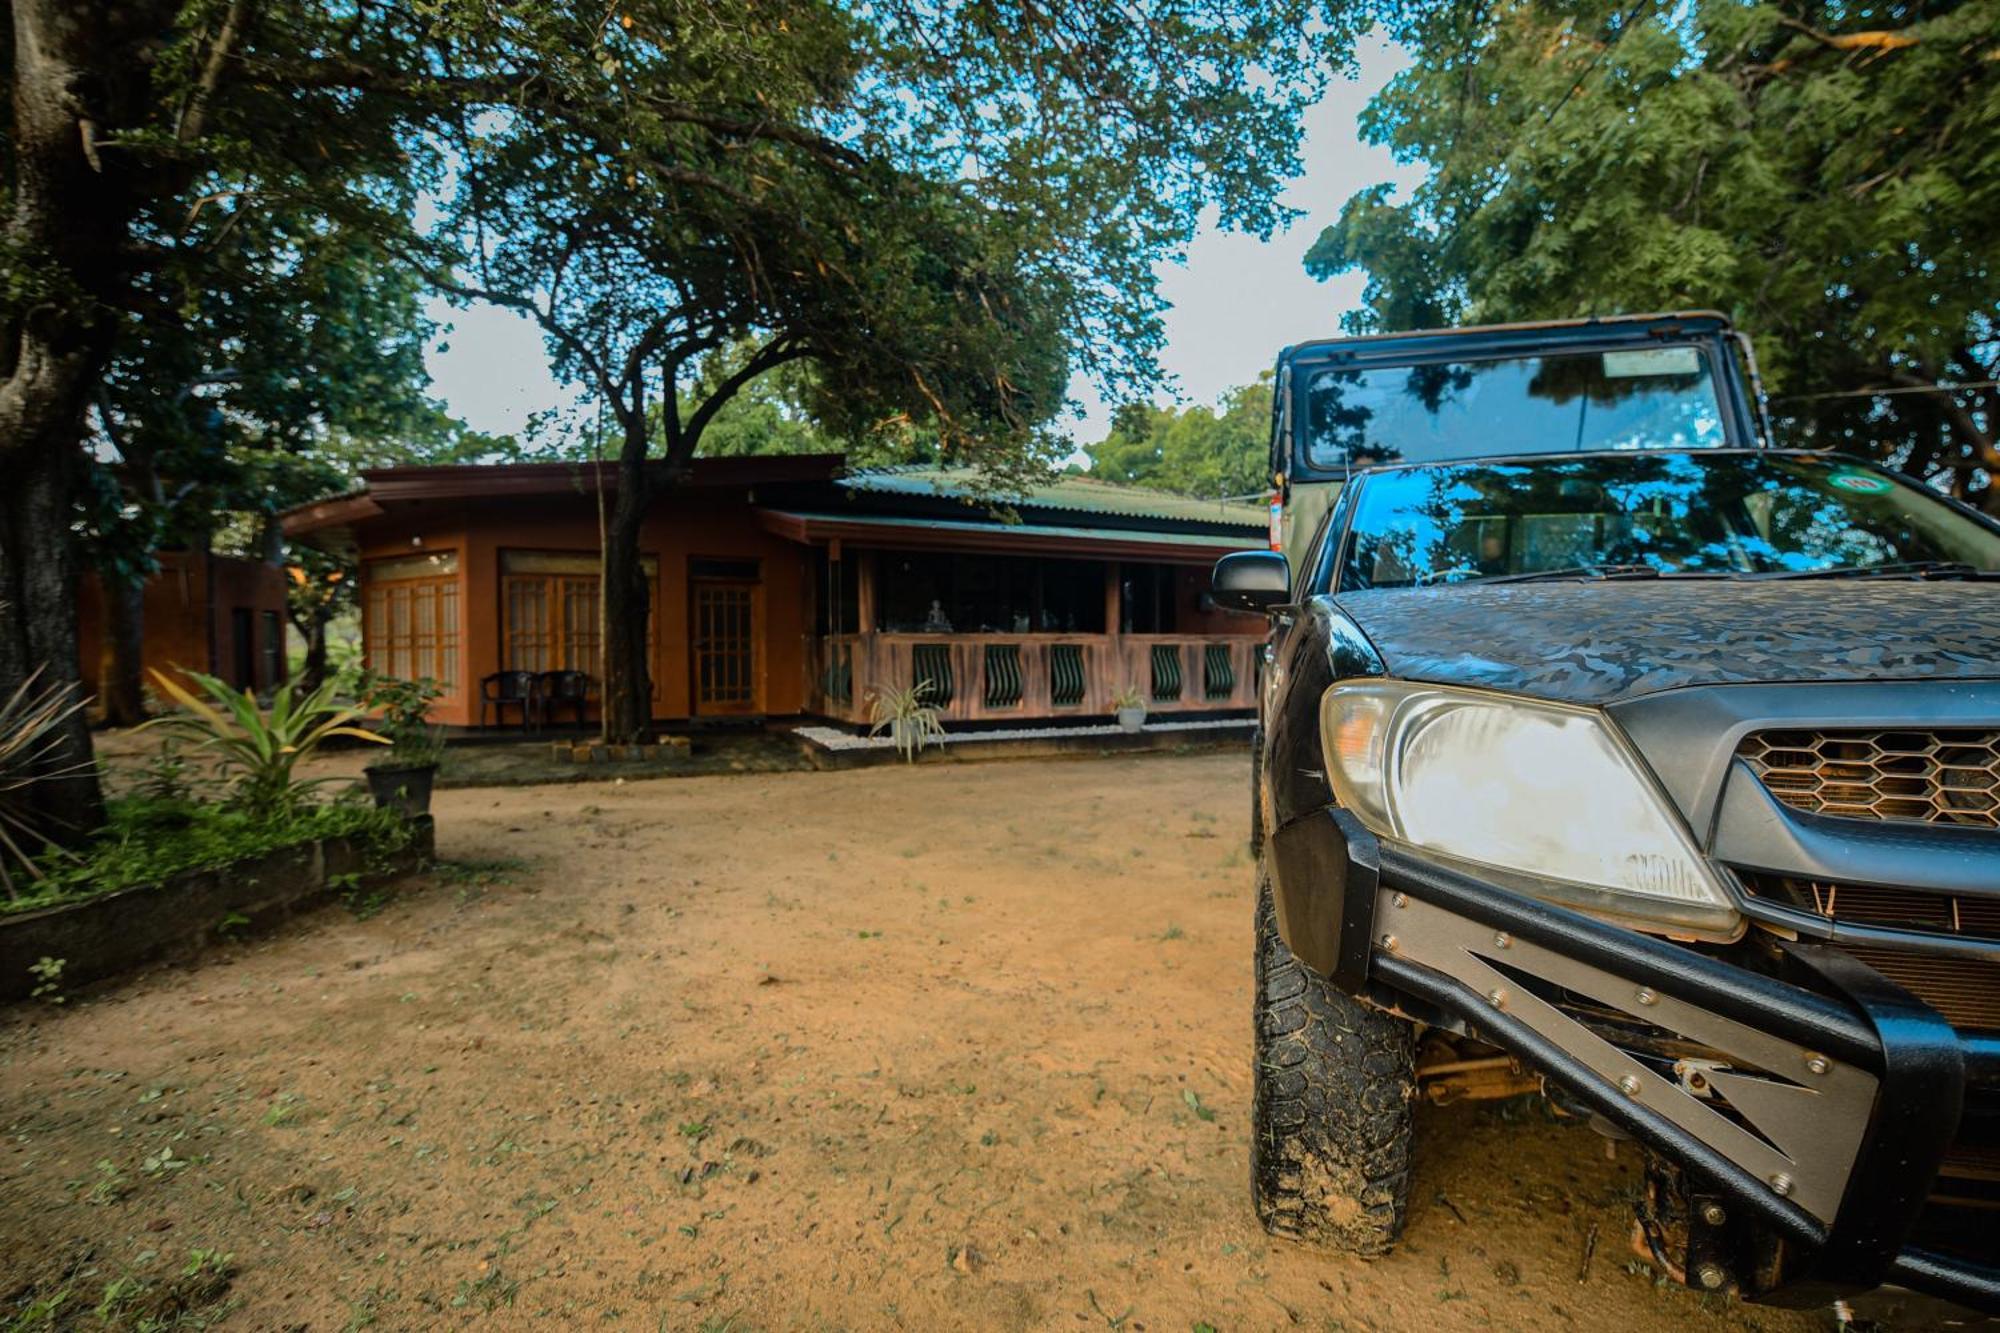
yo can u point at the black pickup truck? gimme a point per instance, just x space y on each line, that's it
1609 750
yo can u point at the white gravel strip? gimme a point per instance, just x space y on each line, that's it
832 738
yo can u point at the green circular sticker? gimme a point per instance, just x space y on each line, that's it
1861 482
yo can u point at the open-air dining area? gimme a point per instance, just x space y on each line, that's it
1026 637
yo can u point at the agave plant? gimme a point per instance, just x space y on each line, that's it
30 737
259 748
911 723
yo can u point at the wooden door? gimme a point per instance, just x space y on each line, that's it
724 618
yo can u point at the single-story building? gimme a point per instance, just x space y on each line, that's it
221 615
789 585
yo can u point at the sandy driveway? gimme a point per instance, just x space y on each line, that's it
954 1047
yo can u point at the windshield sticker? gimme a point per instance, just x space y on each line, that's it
1861 483
1650 361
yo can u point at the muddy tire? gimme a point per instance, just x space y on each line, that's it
1331 1108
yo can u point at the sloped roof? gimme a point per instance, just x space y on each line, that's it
1071 491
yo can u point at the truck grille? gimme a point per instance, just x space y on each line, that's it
1926 777
1964 991
1894 909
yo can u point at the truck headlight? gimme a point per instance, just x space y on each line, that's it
1551 796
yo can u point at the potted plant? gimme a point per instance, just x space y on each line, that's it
402 780
911 723
1131 707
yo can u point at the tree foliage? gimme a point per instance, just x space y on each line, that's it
939 208
943 206
1197 450
1828 175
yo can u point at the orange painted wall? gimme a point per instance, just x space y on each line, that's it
695 523
178 617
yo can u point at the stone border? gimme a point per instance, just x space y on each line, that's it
835 738
149 923
832 748
597 752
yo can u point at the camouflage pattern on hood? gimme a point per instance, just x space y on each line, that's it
1594 642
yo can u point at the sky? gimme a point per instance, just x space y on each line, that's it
1235 300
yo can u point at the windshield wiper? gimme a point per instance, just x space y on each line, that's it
1905 569
1598 572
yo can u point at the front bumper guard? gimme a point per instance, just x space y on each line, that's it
1850 1099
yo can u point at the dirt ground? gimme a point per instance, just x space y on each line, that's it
943 1047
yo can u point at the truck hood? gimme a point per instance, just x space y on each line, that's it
1597 642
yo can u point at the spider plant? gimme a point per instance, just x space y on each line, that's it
911 723
31 723
259 748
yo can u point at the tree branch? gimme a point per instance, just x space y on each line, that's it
772 354
196 114
1881 39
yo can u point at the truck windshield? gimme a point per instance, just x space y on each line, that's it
1655 397
1657 513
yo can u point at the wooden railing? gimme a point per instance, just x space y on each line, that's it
995 677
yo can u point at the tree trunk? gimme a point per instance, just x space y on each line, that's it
312 670
79 74
38 627
628 681
121 682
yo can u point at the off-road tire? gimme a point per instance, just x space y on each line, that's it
1331 1109
1256 794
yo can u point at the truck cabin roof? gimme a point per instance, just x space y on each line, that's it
1623 382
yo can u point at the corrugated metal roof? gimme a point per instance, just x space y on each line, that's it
1090 495
1200 541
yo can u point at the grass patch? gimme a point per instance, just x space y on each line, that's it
194 1296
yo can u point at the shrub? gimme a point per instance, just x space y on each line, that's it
30 737
259 748
405 706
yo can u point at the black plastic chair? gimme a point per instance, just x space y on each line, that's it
562 689
508 689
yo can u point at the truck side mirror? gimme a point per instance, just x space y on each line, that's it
1251 582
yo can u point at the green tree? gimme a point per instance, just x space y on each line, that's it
307 338
1197 450
1829 175
938 206
766 253
146 145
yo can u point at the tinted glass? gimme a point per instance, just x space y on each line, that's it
1574 403
1724 513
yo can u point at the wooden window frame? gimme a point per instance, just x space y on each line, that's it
445 591
555 633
